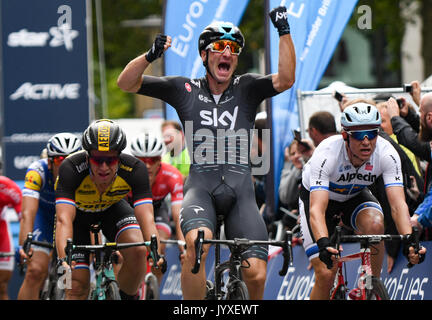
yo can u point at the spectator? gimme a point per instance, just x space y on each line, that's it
422 216
322 125
411 177
291 178
177 155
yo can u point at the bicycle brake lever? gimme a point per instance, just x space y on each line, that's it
198 251
414 238
154 250
287 253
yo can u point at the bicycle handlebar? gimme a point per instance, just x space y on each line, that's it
242 244
376 238
113 246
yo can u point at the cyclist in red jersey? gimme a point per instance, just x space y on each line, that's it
165 180
10 196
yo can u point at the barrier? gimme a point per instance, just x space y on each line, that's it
402 283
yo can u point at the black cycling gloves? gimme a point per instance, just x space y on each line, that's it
157 48
324 254
410 242
279 18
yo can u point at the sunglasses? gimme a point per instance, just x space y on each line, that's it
98 161
58 160
361 134
221 45
149 160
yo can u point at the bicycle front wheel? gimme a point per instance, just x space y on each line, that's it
237 290
113 291
378 291
152 287
339 294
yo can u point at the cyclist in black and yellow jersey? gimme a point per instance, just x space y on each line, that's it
91 188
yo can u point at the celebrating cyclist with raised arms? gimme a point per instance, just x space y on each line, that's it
217 113
38 209
335 181
91 189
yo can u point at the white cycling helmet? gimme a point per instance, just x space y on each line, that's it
360 114
147 144
63 144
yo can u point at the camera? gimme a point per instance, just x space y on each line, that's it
338 96
400 103
407 88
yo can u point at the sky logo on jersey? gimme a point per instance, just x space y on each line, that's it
103 137
211 118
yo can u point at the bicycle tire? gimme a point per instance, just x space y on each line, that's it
210 291
57 293
378 291
152 287
112 291
237 290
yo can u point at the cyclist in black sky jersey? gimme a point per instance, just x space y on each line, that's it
218 113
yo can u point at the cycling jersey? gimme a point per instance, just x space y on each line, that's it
39 184
74 185
181 161
330 169
10 196
218 134
168 181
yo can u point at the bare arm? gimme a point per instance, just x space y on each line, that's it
65 215
285 77
318 205
145 217
29 208
401 217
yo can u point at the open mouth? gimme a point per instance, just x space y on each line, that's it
224 67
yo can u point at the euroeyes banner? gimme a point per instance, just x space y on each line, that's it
184 23
316 27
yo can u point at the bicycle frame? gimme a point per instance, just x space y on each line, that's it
237 246
365 279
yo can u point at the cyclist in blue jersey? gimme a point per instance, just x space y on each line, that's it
38 209
217 113
335 183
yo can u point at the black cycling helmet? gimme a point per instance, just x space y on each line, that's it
104 135
219 30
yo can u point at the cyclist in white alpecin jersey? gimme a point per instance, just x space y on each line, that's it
335 183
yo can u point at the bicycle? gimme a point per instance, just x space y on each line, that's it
236 288
150 287
107 287
50 289
371 288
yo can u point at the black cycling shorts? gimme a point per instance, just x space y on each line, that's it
113 221
243 219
